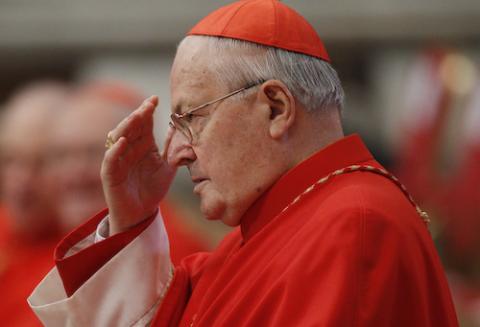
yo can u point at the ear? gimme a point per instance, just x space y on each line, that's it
282 107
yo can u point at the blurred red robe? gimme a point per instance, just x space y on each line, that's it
23 263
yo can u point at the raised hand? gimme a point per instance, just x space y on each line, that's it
135 175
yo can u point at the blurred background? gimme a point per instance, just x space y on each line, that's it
411 71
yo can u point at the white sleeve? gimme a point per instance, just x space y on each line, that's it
102 230
126 291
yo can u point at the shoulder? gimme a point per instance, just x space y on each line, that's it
368 196
360 208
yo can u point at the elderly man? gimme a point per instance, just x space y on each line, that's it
325 235
27 243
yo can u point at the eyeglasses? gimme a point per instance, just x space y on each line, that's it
182 121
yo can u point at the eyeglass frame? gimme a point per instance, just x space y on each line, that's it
176 118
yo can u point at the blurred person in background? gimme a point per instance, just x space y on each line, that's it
439 160
423 120
29 224
460 239
77 141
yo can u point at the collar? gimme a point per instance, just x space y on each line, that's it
347 151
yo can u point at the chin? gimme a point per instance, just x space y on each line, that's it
214 205
231 220
228 215
212 210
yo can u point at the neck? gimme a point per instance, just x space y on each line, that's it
313 132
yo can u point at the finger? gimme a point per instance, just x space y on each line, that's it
136 123
138 149
113 167
142 142
144 119
143 139
168 140
154 100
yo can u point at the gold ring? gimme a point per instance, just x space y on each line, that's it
109 142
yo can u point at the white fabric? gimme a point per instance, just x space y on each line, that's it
108 298
86 242
101 234
102 230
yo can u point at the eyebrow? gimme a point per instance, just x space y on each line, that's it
177 109
180 107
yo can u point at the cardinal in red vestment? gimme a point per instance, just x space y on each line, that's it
325 236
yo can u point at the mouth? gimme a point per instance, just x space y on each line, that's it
198 182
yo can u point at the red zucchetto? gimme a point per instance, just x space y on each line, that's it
266 22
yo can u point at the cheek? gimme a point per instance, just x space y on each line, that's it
232 162
234 144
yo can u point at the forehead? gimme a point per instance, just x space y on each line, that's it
192 81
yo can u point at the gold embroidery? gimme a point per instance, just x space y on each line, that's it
354 168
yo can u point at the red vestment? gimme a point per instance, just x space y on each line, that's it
23 263
351 252
183 241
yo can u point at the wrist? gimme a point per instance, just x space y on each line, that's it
117 225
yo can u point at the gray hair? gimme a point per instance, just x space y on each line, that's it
312 81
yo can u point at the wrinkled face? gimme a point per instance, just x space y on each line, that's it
77 147
231 164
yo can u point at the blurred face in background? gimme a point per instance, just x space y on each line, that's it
24 150
78 145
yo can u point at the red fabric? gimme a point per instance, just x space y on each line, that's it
462 197
5 230
179 292
183 241
418 156
95 256
267 22
354 252
22 266
462 207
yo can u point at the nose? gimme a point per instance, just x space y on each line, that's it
180 151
